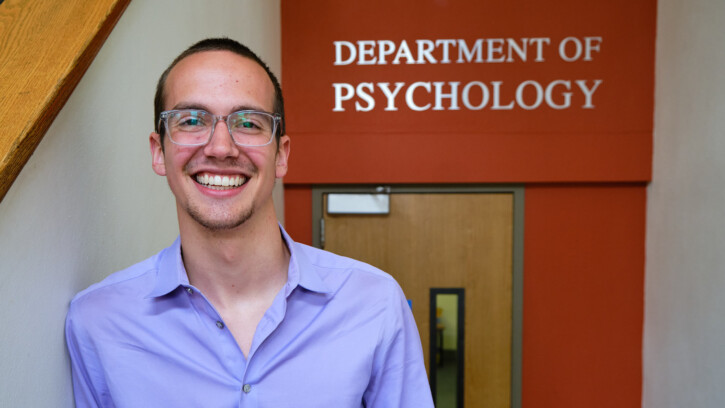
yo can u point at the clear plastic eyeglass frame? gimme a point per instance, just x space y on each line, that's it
164 121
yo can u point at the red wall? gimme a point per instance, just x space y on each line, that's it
611 141
584 170
583 296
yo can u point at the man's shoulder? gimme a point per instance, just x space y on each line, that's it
120 287
338 270
329 260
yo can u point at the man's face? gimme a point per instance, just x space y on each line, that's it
220 82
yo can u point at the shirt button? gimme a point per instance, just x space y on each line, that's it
247 388
219 324
190 290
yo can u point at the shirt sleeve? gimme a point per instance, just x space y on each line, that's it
84 364
399 378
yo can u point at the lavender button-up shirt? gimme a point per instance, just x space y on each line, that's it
339 334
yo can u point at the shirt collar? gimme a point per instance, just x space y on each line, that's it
171 272
301 270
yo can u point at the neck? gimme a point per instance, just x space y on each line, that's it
236 265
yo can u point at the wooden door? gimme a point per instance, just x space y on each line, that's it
447 241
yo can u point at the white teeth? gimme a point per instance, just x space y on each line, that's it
218 182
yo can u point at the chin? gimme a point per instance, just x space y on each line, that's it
224 224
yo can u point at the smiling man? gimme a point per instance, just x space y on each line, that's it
235 313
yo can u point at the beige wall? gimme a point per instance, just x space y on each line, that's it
684 342
87 202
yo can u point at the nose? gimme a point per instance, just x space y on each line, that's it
221 144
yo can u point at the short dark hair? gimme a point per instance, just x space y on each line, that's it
219 44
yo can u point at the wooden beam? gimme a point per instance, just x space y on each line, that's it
45 48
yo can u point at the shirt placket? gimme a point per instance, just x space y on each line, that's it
224 345
257 359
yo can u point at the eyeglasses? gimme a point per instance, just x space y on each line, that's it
192 127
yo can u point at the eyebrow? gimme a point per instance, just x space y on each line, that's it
190 105
201 106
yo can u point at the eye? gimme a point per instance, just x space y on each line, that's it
246 122
190 120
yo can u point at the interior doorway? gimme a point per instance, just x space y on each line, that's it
438 241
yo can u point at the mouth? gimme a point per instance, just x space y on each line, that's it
220 181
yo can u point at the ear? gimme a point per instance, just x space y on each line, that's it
157 154
282 156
